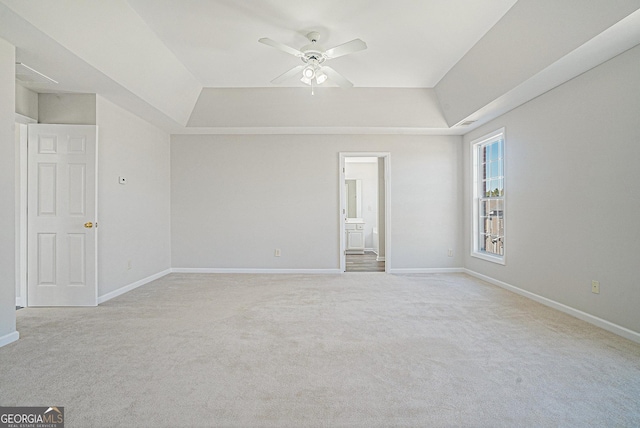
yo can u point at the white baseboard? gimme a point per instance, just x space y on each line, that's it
591 319
9 338
243 270
426 270
379 259
134 285
19 302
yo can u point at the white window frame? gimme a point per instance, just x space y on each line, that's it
476 196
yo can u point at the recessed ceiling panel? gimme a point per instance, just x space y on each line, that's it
411 43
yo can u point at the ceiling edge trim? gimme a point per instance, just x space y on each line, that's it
318 131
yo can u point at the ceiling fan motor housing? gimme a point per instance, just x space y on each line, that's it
313 51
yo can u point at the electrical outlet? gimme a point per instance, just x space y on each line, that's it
595 287
276 252
450 252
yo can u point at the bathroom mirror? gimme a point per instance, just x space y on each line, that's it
354 198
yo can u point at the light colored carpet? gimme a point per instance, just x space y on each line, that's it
361 349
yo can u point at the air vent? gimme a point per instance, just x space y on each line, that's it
25 73
467 123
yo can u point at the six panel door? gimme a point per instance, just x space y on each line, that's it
62 214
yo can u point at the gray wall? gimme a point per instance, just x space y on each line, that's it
7 194
573 193
235 199
134 218
70 109
382 211
529 38
26 102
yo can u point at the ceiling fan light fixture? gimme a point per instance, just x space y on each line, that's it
305 80
320 77
308 72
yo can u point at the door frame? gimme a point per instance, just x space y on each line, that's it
21 154
386 156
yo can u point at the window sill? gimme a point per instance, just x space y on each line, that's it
489 258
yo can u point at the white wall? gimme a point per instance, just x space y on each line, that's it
368 173
237 198
573 193
134 218
7 194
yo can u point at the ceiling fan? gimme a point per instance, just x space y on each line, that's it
313 56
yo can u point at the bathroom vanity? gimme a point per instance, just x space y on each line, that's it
354 235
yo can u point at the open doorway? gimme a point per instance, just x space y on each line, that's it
364 207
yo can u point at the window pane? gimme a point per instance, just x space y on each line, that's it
500 187
484 208
498 212
494 169
495 152
495 184
500 149
482 214
490 244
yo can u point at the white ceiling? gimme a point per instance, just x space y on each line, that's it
195 66
411 43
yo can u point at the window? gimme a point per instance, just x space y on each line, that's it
489 197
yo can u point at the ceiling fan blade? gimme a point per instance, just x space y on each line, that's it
336 77
288 74
354 45
280 46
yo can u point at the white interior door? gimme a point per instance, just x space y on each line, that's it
62 215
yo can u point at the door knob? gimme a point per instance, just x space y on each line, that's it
88 225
